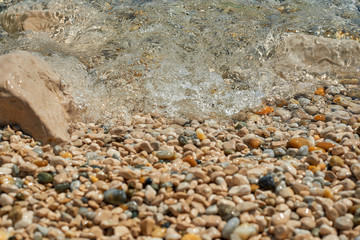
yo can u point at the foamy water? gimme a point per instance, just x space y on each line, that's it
188 58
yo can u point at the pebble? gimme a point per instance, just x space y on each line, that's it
115 196
239 190
229 227
343 223
242 181
297 142
244 231
166 155
267 183
62 187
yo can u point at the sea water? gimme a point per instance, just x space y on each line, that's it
195 59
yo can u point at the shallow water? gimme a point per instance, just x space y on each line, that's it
202 58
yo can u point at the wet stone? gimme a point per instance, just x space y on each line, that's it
115 196
62 187
45 177
267 183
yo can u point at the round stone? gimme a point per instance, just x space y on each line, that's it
115 196
45 177
267 183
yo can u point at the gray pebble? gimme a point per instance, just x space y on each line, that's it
43 230
91 156
304 101
37 236
229 227
75 185
291 151
83 211
270 152
38 151
15 170
279 152
57 149
303 151
212 210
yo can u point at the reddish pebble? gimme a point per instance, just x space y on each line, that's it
319 117
264 111
320 91
255 143
190 160
297 142
325 145
311 149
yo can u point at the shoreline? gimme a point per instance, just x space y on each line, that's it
287 170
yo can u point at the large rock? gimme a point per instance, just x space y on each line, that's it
32 20
30 97
317 55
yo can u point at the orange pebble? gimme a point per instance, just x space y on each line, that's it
191 237
255 143
264 111
190 160
200 134
316 137
328 193
322 166
40 163
93 178
320 91
297 142
143 179
325 145
65 154
311 149
124 207
254 187
314 169
319 117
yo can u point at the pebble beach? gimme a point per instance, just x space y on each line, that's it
287 170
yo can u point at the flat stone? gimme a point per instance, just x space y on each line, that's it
343 223
147 225
247 206
31 98
240 190
129 174
211 220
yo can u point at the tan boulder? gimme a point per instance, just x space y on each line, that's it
317 55
30 97
32 20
